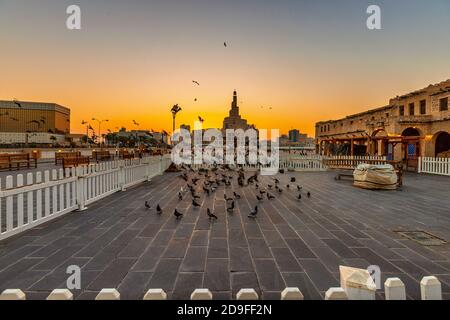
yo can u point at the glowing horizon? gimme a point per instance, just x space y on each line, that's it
308 61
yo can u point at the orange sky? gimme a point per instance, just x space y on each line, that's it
134 61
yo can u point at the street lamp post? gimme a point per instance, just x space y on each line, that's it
88 126
175 109
137 137
99 128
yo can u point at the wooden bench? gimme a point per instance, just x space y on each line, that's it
75 162
124 154
60 156
346 165
17 161
101 155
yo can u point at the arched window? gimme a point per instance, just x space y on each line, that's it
411 132
442 143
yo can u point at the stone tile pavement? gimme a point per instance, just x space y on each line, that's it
118 243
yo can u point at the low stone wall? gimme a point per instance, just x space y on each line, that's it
356 284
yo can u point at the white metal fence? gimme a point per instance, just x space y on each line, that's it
303 163
430 165
309 162
42 196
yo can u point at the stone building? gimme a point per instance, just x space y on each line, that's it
412 125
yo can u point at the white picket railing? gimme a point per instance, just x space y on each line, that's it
46 195
431 165
308 162
303 163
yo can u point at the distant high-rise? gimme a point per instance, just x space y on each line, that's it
294 135
234 119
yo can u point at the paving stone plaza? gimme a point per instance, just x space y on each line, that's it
118 243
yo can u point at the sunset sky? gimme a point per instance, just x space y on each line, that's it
134 59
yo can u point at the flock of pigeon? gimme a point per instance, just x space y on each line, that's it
207 181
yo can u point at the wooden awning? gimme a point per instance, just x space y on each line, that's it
398 138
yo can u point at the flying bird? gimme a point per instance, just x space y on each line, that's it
196 82
200 119
35 121
195 203
195 99
299 188
259 198
225 44
135 123
16 102
177 214
270 197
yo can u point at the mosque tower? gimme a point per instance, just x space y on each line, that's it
234 120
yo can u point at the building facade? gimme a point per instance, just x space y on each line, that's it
11 138
412 125
23 117
294 135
